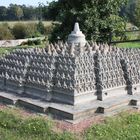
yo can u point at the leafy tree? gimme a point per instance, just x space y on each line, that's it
3 12
97 18
128 10
29 12
51 11
11 12
18 12
137 13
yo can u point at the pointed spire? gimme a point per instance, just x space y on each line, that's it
49 50
76 28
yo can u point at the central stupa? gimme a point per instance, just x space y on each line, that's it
77 37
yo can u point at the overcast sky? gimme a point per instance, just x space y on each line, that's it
20 2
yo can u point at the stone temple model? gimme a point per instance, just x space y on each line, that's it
72 80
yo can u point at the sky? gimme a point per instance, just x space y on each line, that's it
20 2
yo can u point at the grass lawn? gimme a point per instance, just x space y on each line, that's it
129 45
12 23
14 126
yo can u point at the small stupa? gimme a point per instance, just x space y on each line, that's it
77 37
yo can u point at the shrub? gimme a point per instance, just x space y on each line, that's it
48 30
41 27
31 30
5 32
34 42
20 31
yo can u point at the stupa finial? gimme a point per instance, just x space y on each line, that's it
76 27
77 37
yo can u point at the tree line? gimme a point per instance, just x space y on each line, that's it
22 12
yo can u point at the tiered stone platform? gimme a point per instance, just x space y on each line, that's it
73 114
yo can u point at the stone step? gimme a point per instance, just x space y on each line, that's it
117 111
33 105
77 113
7 98
135 100
116 103
27 103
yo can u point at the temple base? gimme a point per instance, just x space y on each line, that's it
76 113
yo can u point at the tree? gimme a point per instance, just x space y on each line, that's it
3 13
137 13
51 11
18 12
128 10
29 12
97 18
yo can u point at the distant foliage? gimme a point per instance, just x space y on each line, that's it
41 27
30 30
137 13
5 32
18 12
132 12
20 31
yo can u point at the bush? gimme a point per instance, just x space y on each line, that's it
40 27
5 32
34 42
20 31
48 30
31 30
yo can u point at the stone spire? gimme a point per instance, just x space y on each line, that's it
76 36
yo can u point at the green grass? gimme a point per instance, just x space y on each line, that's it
14 127
124 127
12 23
129 45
